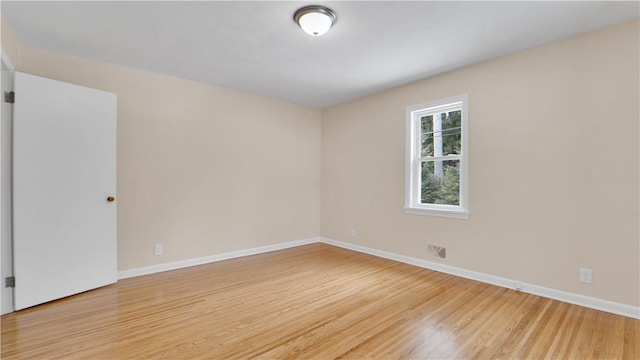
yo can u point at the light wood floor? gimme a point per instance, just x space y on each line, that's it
313 302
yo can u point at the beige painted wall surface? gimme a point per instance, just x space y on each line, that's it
202 170
554 163
9 43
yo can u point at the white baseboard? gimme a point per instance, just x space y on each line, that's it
212 258
586 301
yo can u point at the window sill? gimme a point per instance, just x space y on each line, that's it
450 213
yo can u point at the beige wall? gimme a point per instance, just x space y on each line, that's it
554 136
202 170
8 42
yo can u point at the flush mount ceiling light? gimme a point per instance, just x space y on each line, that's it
315 20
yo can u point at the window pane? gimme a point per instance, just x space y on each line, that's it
440 134
440 182
426 126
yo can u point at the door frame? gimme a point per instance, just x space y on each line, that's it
6 218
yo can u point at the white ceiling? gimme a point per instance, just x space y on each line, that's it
256 47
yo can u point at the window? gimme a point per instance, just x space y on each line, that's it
436 158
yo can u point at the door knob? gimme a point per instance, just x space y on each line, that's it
111 199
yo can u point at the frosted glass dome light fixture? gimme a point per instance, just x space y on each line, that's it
315 20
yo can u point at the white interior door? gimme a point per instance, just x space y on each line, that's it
64 170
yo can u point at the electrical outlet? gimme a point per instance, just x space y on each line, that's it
586 275
353 232
158 250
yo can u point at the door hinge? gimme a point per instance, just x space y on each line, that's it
10 282
10 97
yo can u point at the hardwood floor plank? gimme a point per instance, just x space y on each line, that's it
631 349
312 302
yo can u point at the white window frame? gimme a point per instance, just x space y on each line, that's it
413 179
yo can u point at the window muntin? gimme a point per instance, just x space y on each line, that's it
436 178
